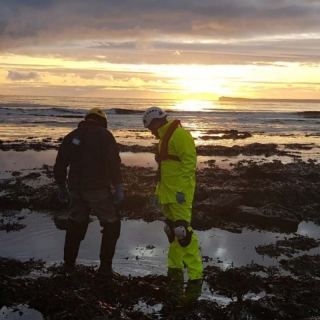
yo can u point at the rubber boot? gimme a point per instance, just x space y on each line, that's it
193 290
110 235
177 283
74 235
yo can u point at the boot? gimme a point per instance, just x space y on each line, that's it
67 267
193 290
106 271
71 248
74 235
110 235
176 283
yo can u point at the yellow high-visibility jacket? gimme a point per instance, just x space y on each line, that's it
177 176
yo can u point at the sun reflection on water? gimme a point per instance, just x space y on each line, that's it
195 105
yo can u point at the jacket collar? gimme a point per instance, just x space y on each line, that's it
90 123
162 131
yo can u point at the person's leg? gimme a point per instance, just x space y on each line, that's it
77 227
74 235
110 235
177 282
193 290
187 248
174 254
192 259
101 202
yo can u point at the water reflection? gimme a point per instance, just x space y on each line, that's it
141 250
142 247
141 159
309 229
20 312
14 160
41 240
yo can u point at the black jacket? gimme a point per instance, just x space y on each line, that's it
93 156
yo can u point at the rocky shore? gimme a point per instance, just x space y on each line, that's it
266 196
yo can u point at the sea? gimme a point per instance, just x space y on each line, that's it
43 114
283 123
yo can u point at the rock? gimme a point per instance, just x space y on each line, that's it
285 219
222 203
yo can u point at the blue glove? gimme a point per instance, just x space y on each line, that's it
63 194
119 194
181 197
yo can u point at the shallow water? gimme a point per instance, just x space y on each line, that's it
41 240
20 312
30 159
142 247
141 250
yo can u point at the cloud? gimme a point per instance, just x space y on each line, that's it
28 22
102 76
22 76
303 51
156 32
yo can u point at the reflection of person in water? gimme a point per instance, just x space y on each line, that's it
177 161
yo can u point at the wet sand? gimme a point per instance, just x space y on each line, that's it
263 196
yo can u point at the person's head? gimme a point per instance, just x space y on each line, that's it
97 115
154 118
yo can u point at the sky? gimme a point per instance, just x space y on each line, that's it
181 49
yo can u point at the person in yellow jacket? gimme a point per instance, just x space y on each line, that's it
177 161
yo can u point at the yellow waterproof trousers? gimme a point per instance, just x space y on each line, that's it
183 257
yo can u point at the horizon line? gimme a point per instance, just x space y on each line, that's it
267 99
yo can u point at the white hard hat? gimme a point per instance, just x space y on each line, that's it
152 113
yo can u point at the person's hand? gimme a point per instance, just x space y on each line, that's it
119 194
180 197
63 194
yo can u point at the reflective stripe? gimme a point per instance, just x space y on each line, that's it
163 154
173 157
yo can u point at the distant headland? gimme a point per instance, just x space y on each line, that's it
268 100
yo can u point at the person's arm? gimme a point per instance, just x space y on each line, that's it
61 164
113 164
186 151
60 172
113 159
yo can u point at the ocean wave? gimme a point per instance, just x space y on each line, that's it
69 116
310 114
22 106
67 110
48 123
46 115
123 111
38 110
33 108
54 111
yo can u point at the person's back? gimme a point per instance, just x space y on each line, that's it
93 157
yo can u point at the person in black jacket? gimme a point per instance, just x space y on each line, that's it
92 155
